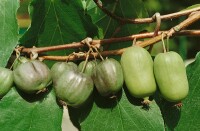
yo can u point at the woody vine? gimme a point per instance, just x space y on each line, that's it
156 36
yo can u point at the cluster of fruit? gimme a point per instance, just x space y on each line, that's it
141 74
73 85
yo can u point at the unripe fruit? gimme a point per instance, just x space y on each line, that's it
6 81
171 77
59 67
32 76
74 88
19 61
89 66
137 66
108 77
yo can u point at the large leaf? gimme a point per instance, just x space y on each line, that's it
190 111
8 29
123 8
122 114
21 112
186 118
57 22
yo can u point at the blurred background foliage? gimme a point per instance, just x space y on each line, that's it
187 47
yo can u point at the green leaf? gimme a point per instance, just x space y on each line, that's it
57 22
8 29
109 27
124 114
123 8
190 112
171 114
21 112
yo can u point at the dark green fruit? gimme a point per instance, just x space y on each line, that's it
72 64
137 66
171 77
19 61
108 77
89 66
73 87
59 67
6 81
32 76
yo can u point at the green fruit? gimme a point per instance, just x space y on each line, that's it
59 67
19 61
32 76
171 77
89 66
137 66
108 77
6 81
73 87
72 64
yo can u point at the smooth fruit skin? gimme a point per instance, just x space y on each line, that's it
137 66
59 67
89 66
171 77
108 77
74 87
6 81
32 76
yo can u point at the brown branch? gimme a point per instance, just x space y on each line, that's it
145 20
193 18
107 41
52 48
74 57
79 44
119 51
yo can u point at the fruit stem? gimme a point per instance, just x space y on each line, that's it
13 63
86 60
163 43
98 53
168 43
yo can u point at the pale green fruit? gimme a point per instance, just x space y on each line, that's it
171 77
137 66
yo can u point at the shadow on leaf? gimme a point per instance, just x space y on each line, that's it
107 102
131 99
34 97
171 114
79 114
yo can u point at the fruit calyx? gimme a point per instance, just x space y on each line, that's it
146 101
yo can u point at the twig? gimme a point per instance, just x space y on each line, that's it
92 55
52 48
145 20
106 41
193 18
119 51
